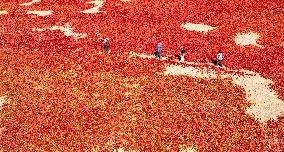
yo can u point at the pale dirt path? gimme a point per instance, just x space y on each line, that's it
2 102
30 3
67 30
185 148
266 106
96 9
40 13
197 27
241 39
244 39
3 12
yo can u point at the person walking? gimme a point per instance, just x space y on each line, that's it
182 54
106 45
159 50
220 57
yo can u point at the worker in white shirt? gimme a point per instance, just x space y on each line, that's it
182 54
220 57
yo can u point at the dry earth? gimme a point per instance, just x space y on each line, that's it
266 104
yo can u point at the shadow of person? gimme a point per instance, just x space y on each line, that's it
178 56
214 61
155 53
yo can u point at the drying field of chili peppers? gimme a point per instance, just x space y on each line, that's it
62 95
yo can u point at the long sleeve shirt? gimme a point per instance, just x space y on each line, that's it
105 43
159 48
220 56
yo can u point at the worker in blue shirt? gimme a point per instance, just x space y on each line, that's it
159 50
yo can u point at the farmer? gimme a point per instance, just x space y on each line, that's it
159 50
106 45
220 57
182 54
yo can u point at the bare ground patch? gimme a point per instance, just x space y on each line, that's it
40 13
244 39
266 106
197 27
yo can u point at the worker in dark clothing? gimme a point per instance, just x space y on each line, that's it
159 50
106 45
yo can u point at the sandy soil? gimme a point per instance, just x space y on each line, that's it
3 12
67 30
95 9
267 104
30 3
244 39
40 13
2 101
197 27
122 150
188 149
